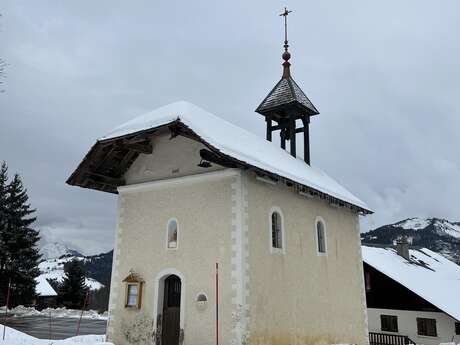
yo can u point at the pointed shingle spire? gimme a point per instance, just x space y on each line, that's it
286 91
285 104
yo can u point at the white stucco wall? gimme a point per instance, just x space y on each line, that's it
299 296
171 158
407 325
203 208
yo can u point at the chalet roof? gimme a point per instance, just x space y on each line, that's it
427 274
223 138
286 91
43 288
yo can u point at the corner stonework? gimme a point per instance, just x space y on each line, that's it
239 260
115 280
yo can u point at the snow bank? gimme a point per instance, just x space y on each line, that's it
20 311
14 337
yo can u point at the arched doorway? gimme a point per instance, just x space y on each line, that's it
171 310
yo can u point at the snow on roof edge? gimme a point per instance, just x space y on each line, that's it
266 155
43 288
439 282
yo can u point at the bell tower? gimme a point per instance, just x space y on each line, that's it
286 105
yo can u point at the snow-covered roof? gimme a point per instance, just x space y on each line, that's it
43 288
239 144
427 274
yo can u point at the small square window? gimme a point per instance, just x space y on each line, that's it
457 328
389 323
426 327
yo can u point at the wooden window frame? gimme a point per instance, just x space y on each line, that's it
389 323
423 329
133 279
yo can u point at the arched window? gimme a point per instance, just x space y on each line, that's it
172 234
277 230
321 236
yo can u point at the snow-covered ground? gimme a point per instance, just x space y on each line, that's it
55 313
14 337
54 269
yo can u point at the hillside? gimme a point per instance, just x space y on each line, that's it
53 270
439 235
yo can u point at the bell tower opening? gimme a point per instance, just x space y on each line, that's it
286 105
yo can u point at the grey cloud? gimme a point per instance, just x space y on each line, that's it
384 76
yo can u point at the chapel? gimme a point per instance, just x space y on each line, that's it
224 237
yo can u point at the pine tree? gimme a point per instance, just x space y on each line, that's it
3 251
18 254
73 289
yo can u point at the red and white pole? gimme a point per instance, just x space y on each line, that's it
217 303
81 314
6 307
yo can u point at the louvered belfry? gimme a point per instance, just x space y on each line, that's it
286 105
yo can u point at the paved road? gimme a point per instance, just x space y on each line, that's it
61 328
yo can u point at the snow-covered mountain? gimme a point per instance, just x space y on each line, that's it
439 235
55 254
53 269
53 250
441 226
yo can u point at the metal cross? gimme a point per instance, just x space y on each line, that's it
285 14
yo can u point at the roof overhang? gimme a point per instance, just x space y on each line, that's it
107 161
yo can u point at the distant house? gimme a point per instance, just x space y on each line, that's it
413 293
45 294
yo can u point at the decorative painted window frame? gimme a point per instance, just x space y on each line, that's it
318 220
281 250
134 279
167 234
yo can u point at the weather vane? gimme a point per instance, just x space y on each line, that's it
285 14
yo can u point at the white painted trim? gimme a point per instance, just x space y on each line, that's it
361 274
167 234
114 285
158 295
239 261
281 250
213 175
320 219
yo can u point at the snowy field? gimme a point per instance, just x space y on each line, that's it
13 337
55 313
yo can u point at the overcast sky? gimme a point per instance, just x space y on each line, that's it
385 76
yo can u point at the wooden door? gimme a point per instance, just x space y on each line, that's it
171 311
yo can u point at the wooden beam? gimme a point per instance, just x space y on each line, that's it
144 147
108 180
